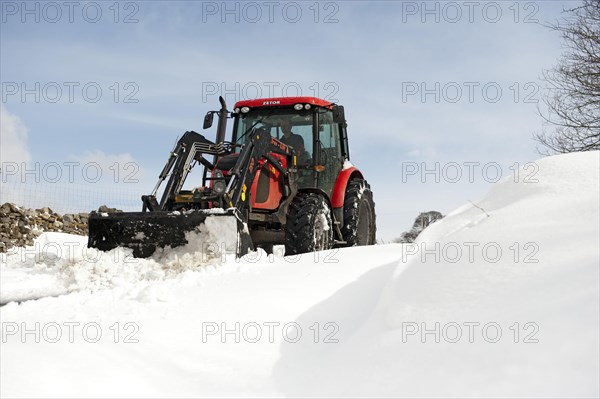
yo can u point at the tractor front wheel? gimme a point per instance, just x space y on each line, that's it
359 214
309 225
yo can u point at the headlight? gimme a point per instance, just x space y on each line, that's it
307 106
245 110
237 110
219 185
298 107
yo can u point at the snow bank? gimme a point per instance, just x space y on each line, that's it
516 316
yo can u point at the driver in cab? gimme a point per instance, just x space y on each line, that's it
290 138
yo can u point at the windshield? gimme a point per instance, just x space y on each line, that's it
272 120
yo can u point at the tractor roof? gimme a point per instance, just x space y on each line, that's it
282 102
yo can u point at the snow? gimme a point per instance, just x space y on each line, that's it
170 323
60 263
323 222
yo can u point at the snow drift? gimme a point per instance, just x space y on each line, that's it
497 299
499 305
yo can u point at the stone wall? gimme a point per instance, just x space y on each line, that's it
20 226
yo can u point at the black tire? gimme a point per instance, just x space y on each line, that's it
359 227
309 225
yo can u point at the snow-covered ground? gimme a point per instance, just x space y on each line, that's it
498 299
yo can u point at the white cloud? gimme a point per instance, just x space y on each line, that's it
13 138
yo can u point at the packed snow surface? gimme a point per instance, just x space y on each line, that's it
498 299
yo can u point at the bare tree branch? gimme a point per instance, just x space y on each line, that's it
573 85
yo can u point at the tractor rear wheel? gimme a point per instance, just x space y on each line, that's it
359 214
309 225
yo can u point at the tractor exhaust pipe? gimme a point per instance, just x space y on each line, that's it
222 126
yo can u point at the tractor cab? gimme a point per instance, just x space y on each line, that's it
318 127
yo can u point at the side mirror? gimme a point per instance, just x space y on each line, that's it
338 114
208 120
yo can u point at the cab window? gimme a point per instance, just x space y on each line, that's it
271 119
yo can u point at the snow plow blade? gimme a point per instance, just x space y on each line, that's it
144 232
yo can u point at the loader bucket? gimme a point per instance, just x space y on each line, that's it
144 232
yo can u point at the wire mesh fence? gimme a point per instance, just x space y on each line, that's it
71 197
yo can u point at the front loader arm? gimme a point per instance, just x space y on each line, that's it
261 144
189 147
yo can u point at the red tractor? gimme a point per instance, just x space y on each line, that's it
284 177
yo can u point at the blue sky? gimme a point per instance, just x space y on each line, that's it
425 84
